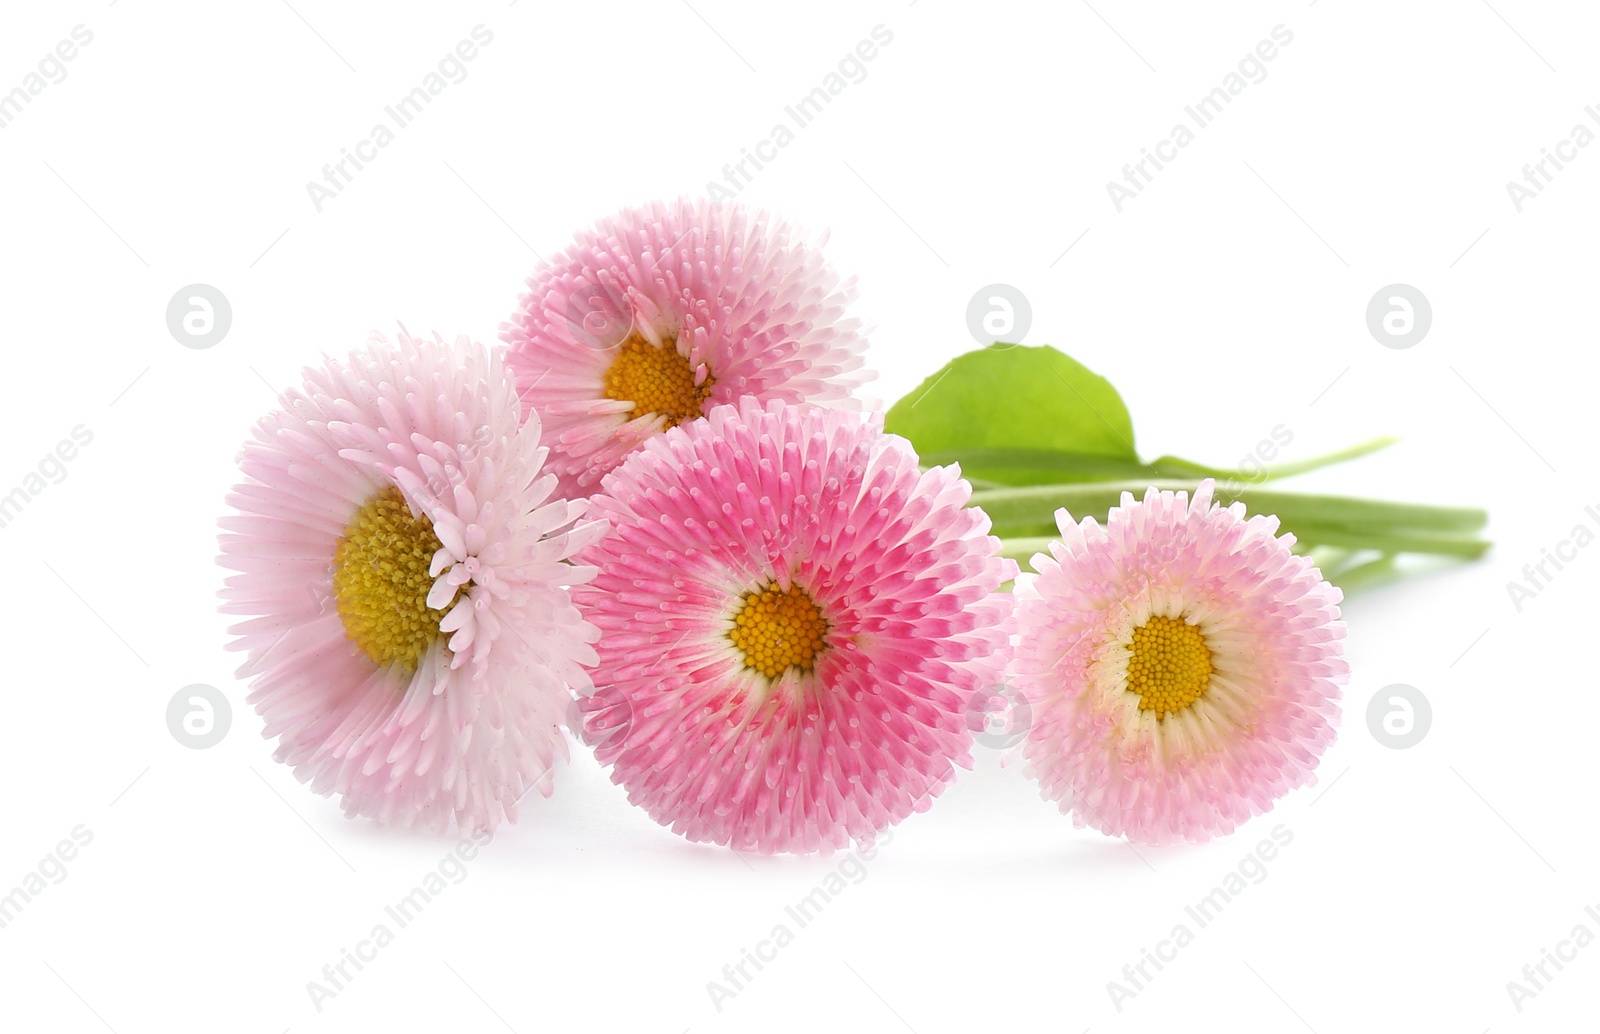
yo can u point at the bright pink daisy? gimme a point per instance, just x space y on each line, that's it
402 567
1182 666
794 618
659 314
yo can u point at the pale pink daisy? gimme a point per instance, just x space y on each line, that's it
402 564
1181 664
794 619
660 313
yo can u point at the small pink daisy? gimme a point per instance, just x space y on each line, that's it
794 618
402 568
658 314
1181 664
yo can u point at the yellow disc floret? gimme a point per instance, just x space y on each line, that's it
381 581
1169 665
656 379
778 630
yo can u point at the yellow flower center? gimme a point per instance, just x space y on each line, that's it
381 581
656 379
1169 665
779 630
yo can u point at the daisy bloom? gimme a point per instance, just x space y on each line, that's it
661 313
400 563
794 618
1182 666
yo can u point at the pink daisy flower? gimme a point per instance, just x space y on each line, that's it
1181 664
794 618
659 314
401 566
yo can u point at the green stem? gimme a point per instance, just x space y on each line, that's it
1366 448
1351 570
1395 542
1067 466
1025 518
1022 549
1079 467
1034 506
1175 466
1365 575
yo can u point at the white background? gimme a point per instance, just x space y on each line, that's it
1228 298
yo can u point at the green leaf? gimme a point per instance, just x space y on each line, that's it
1020 415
